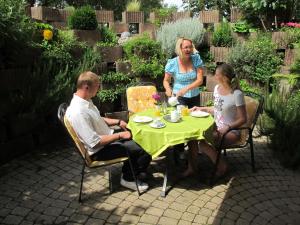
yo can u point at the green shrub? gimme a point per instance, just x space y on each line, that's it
145 57
162 15
285 112
108 37
245 86
83 18
118 82
255 60
241 27
222 35
168 33
142 46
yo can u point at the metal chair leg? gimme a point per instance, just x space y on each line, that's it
133 174
110 181
215 167
82 176
252 154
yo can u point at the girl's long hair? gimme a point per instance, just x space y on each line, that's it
228 71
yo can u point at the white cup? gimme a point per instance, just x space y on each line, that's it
174 116
173 101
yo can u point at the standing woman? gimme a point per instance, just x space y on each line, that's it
187 73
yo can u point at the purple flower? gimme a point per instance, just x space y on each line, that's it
156 97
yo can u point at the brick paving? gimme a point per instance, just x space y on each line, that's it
42 188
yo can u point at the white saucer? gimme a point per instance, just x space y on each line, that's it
142 119
153 125
199 114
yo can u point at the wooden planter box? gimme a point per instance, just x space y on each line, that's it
59 25
133 17
235 15
220 54
280 39
289 56
154 16
119 27
105 16
149 28
210 82
111 54
210 16
123 67
205 97
240 37
207 39
45 14
91 37
64 14
180 15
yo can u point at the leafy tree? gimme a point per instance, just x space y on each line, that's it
267 10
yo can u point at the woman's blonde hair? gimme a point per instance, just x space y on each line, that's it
178 50
228 71
87 78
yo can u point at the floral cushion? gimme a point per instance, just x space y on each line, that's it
139 98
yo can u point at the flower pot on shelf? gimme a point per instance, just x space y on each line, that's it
118 28
220 54
111 54
132 17
45 14
91 37
210 16
105 16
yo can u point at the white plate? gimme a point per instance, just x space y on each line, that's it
153 125
142 119
199 114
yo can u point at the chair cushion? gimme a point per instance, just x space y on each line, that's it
251 109
139 98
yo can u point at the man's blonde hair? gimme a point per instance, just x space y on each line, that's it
87 78
178 50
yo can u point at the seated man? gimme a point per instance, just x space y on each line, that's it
101 141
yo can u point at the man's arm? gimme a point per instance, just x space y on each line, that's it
111 122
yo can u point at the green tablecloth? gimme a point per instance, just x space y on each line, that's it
155 141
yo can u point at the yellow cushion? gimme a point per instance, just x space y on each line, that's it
139 98
251 108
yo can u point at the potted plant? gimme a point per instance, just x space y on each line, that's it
241 30
108 46
84 23
222 40
113 87
133 13
235 14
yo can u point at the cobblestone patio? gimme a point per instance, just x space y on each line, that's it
42 188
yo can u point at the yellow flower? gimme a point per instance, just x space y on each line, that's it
47 34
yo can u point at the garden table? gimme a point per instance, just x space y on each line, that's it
156 140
